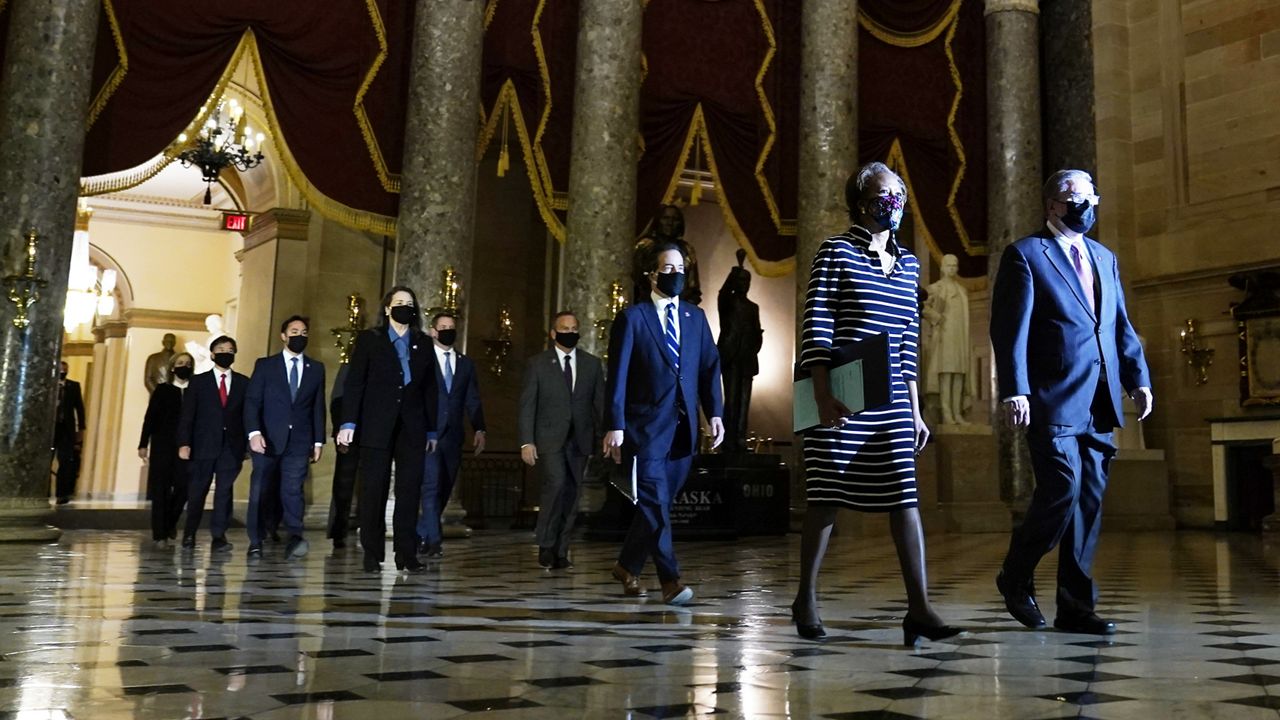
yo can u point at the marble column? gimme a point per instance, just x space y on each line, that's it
828 141
44 94
1070 133
600 228
436 225
1014 207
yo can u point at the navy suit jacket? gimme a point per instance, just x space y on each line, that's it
283 420
1049 346
206 425
644 385
461 401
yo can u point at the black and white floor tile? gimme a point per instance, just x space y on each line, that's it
104 626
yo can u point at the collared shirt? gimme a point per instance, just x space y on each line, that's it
453 359
573 363
1065 243
218 375
660 304
401 345
288 364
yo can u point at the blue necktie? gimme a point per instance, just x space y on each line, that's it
673 343
448 373
293 380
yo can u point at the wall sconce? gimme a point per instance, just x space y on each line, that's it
24 288
345 337
1199 357
497 349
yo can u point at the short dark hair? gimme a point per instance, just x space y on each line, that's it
224 339
386 302
661 247
306 323
564 313
443 314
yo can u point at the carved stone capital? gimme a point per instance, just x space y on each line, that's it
995 6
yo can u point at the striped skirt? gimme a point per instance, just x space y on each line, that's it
868 464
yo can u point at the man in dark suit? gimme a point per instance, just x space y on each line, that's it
284 416
345 465
459 399
67 434
1065 353
561 408
663 364
211 435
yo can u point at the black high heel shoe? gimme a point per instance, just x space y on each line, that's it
409 563
371 564
912 631
808 632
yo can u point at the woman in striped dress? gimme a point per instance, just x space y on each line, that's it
862 283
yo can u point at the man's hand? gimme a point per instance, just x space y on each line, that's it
316 452
144 454
479 442
258 444
184 452
922 433
831 412
1145 401
529 454
717 432
431 445
346 436
1017 411
613 445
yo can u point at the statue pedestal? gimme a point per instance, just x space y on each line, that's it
27 520
1137 496
965 462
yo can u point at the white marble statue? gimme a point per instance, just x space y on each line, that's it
200 350
948 363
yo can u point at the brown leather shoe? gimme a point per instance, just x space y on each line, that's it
630 583
675 592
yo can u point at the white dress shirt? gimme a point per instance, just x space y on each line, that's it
660 304
453 359
1065 243
288 364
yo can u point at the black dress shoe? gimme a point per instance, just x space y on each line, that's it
562 563
188 542
912 631
808 632
1089 624
1020 603
435 551
220 544
409 563
339 543
424 547
371 564
546 558
255 551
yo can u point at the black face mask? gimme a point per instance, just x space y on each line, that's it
182 372
1079 217
62 374
447 337
296 344
224 359
404 314
671 284
567 339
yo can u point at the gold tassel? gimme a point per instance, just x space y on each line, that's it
504 156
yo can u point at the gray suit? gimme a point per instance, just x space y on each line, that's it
564 427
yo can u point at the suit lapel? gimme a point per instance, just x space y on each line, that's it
1059 261
650 313
686 331
1100 278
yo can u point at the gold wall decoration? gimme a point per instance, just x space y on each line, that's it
1199 357
497 349
345 336
24 287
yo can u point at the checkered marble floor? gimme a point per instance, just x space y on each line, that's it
103 626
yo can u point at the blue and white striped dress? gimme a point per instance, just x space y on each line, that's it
869 463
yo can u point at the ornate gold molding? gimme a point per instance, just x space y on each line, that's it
278 224
163 319
77 348
116 329
995 6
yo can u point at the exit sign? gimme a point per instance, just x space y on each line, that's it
239 222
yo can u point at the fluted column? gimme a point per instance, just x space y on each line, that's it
1014 207
44 94
828 127
436 226
600 227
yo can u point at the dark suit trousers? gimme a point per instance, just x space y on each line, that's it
658 481
344 485
64 448
1066 508
279 478
439 474
167 486
203 473
375 485
561 475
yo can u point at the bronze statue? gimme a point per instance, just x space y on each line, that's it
667 226
157 366
741 338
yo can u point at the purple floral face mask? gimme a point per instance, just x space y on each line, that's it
886 210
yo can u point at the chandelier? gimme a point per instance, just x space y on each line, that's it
89 291
224 140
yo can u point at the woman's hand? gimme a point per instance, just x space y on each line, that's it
831 412
922 432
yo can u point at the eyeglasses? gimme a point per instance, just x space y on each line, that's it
1077 198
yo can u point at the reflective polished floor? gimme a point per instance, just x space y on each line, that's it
103 626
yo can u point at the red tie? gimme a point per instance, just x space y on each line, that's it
1084 271
222 389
